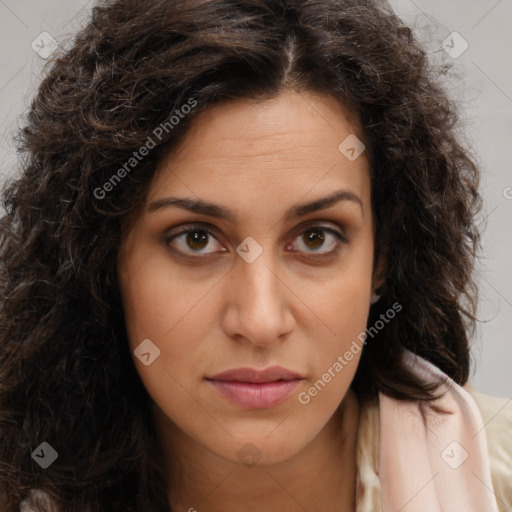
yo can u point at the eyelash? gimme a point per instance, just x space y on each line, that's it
341 239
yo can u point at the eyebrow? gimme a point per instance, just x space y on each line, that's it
221 212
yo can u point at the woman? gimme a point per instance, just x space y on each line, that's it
236 271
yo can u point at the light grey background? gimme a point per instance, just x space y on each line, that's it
483 88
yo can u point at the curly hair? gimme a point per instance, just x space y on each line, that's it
66 374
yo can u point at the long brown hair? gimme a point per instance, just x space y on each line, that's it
66 374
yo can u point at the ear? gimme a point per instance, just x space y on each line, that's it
378 278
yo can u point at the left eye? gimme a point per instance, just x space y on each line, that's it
314 238
199 239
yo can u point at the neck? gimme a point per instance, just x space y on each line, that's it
322 476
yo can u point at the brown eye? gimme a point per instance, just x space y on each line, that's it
198 240
312 240
194 240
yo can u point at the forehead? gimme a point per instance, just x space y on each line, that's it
291 119
279 148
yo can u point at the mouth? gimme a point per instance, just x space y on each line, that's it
256 389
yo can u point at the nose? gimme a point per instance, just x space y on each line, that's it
258 301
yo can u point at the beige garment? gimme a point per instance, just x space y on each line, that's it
496 414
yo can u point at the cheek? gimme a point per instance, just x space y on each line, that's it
342 298
338 349
158 306
343 306
156 299
337 345
163 306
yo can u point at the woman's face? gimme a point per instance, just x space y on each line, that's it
270 282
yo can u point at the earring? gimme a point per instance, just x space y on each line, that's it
374 297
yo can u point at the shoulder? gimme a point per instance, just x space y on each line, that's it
497 417
441 435
481 423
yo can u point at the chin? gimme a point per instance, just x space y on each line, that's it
260 449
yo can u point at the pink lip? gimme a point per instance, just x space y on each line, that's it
256 389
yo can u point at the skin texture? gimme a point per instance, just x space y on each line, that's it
218 312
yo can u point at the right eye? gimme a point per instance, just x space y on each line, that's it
192 240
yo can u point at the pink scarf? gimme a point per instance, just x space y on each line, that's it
432 456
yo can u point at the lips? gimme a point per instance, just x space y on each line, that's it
271 374
256 389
